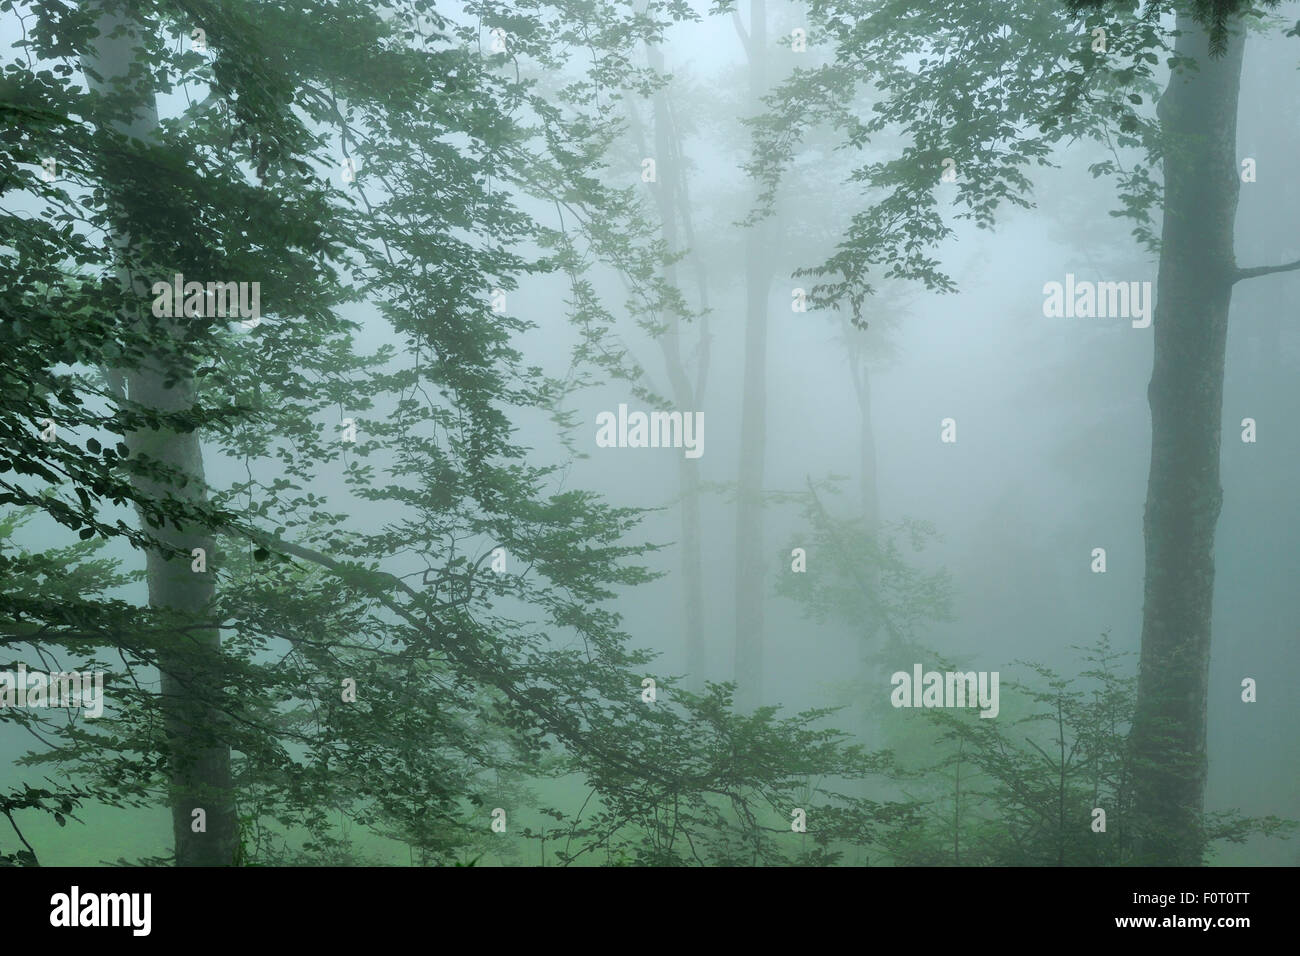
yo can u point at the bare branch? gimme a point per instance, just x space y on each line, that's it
197 110
1264 270
740 29
13 824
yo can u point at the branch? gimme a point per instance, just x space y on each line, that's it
116 382
567 729
1264 270
832 528
1050 762
29 631
740 29
196 110
13 824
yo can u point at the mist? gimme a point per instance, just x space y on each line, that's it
614 404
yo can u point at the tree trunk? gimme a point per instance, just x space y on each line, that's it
868 492
199 773
693 574
668 198
753 418
1198 122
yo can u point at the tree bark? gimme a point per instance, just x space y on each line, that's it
868 491
1198 122
753 417
199 774
668 198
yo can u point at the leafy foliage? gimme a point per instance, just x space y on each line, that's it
471 683
993 87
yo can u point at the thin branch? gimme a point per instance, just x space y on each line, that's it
197 110
1264 271
1050 762
10 817
740 29
866 590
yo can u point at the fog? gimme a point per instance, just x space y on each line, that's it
1007 444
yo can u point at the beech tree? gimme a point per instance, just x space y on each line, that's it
996 88
392 651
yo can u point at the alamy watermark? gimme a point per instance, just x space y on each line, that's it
75 909
66 689
1098 300
213 300
655 430
950 689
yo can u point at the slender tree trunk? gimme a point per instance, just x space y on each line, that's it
693 574
868 489
199 765
1198 121
868 492
668 198
753 416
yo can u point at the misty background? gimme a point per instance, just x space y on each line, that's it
1052 424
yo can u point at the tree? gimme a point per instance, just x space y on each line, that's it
383 651
996 88
671 197
759 271
199 772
